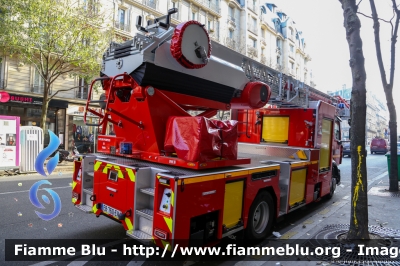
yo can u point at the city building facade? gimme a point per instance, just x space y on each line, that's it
258 30
377 117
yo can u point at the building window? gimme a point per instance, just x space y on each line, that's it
231 34
90 5
193 16
278 43
262 33
254 23
291 65
254 43
121 16
231 12
38 82
82 90
291 48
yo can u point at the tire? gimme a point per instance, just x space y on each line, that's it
261 217
332 189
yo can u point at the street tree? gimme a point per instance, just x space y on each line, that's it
59 38
359 207
388 84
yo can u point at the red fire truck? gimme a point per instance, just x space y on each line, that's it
171 172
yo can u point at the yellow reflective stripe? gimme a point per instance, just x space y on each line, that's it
158 176
74 200
73 185
172 198
97 165
165 244
94 208
128 223
105 170
168 221
131 174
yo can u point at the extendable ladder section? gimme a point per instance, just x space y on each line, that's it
286 91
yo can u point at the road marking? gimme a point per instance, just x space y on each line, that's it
136 262
325 211
81 263
308 222
249 263
346 197
44 263
288 235
13 192
377 178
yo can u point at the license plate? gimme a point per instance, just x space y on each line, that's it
111 210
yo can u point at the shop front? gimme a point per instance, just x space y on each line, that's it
29 109
80 135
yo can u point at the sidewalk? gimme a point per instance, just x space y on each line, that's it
383 219
63 167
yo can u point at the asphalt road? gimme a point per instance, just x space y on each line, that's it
18 219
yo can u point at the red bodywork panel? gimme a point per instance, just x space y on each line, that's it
299 131
117 193
77 183
201 139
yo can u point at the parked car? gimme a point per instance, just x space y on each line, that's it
379 145
346 149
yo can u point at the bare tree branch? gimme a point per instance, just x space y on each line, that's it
387 21
378 43
72 88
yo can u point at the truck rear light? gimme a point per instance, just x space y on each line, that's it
75 195
164 181
160 234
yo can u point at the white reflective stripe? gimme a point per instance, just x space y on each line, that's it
111 189
209 192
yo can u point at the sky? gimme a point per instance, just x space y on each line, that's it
321 22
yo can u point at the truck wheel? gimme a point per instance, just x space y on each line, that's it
261 217
333 188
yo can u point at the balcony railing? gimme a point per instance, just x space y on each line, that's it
39 88
175 16
3 83
81 95
251 6
263 59
263 41
252 51
231 43
209 4
123 26
278 51
253 29
214 37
